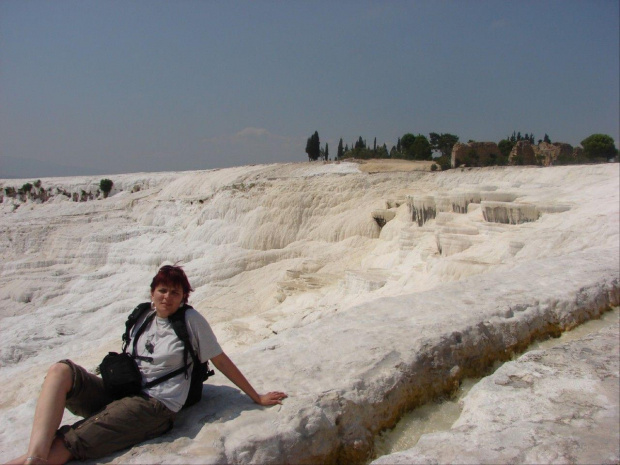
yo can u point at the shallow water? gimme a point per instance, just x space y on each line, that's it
429 418
441 415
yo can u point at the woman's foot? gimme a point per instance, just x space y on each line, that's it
34 460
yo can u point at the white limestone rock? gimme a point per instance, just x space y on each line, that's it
509 212
305 292
559 405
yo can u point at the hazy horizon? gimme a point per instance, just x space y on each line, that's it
117 87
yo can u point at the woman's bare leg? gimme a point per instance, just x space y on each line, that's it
18 460
58 452
44 445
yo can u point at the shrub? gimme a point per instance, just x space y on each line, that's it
106 186
445 162
505 147
434 167
497 159
471 158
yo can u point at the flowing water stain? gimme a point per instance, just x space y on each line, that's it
440 415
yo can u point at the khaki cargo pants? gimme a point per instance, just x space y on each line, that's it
109 425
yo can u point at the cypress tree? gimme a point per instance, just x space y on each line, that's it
313 146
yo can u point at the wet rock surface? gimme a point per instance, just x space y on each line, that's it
557 405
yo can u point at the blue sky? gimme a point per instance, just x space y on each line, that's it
125 86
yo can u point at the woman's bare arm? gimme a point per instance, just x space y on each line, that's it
230 370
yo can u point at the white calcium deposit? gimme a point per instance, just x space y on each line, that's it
359 294
550 406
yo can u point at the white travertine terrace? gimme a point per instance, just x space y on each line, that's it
557 405
509 212
305 291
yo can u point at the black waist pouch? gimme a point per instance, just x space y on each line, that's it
120 374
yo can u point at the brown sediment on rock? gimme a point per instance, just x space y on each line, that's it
403 372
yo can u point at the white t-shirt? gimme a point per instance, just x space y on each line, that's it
160 342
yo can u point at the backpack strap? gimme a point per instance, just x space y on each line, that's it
132 320
179 324
163 378
141 329
177 320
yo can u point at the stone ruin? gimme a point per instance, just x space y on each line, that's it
557 153
523 153
475 154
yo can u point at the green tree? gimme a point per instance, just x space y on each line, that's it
599 147
445 162
340 151
313 146
381 152
546 139
406 142
505 147
471 158
106 186
326 152
421 148
443 143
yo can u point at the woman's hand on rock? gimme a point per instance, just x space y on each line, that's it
271 398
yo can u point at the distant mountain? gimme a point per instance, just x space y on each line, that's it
26 168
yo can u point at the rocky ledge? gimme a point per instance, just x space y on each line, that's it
558 405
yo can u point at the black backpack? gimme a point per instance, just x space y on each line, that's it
201 371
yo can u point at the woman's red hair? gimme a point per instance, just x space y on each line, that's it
174 276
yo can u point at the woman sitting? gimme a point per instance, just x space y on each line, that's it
110 425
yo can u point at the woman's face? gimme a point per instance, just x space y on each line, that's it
167 299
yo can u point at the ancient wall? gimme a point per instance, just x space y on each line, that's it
557 153
522 154
475 154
